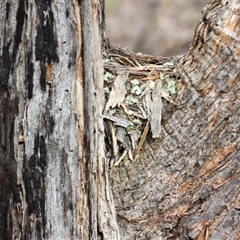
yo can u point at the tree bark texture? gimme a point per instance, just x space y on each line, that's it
185 185
53 171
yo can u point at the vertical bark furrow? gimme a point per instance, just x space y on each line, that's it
20 19
46 43
5 66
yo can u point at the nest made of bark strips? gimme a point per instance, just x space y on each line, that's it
134 86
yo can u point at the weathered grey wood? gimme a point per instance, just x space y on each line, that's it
53 171
153 106
102 211
117 94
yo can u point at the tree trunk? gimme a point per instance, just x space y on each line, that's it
185 185
54 173
54 178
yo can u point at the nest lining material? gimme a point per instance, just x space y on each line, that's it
134 86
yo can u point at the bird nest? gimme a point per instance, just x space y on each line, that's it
135 85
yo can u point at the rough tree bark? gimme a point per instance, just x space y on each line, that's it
54 172
54 178
186 184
